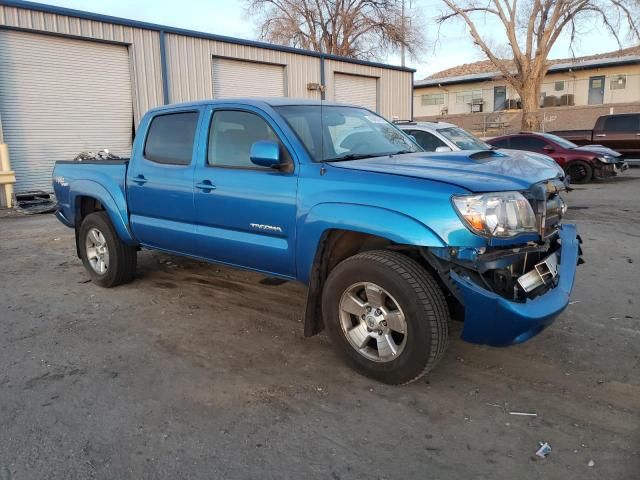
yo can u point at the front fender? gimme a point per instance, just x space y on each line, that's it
390 224
113 202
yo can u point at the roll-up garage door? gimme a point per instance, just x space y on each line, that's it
239 78
356 90
59 97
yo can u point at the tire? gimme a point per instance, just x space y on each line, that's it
404 284
580 172
121 259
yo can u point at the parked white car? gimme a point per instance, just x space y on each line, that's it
442 136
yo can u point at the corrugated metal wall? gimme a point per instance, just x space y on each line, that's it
395 88
144 48
189 63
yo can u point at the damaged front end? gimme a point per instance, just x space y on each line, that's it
510 293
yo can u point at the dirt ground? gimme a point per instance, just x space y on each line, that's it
198 371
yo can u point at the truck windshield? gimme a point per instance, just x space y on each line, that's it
335 133
463 139
563 142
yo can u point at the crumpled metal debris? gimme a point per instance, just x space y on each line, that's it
544 450
101 155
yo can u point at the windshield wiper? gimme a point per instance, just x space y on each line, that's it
401 152
354 156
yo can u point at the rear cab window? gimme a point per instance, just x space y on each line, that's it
170 138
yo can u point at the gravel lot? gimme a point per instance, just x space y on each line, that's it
198 371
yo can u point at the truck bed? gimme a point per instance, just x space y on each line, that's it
74 179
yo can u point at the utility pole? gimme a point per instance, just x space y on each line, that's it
404 35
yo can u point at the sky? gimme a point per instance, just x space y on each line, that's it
447 48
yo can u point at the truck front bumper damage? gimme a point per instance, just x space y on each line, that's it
492 319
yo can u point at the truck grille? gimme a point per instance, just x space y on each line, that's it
548 206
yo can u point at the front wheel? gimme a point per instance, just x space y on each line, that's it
387 315
108 259
580 172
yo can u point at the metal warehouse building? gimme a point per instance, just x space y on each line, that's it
73 81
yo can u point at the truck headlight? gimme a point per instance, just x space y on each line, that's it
499 214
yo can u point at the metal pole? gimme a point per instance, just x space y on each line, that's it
404 35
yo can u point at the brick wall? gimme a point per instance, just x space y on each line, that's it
556 118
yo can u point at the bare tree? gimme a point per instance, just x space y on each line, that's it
532 27
365 29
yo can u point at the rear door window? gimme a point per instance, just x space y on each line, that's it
170 138
623 123
531 144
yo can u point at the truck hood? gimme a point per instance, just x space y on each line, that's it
476 171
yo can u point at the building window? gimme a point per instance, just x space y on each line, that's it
618 82
468 96
559 86
433 99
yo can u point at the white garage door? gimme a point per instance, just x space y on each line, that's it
238 78
356 90
58 97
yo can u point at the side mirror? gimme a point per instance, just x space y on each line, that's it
443 149
549 148
265 153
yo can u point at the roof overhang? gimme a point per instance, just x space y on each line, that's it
557 68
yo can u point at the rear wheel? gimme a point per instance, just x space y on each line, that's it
387 315
108 260
580 172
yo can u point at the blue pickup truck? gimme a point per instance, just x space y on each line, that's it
391 241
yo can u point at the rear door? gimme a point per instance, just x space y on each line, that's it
246 214
620 132
160 183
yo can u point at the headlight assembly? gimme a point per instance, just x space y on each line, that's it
499 214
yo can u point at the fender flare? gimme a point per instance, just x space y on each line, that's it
116 207
382 222
326 217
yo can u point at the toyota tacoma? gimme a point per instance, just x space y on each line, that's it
391 241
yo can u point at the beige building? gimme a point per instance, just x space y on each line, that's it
72 81
478 97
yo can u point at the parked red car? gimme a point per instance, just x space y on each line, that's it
582 164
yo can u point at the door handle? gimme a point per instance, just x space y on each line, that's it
140 180
600 135
206 185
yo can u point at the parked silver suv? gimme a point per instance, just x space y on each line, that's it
442 137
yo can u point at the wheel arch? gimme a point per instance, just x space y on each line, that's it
90 196
334 232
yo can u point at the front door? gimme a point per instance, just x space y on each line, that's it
499 98
160 183
246 214
596 90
